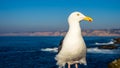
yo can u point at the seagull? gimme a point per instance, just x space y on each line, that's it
72 49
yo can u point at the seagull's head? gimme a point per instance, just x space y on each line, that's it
77 17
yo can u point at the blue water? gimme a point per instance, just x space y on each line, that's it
25 52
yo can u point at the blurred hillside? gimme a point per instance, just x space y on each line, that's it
99 32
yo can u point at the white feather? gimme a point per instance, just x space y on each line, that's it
73 46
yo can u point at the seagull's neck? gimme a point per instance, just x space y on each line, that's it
74 28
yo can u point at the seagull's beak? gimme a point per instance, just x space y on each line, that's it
88 19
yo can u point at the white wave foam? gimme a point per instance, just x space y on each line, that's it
111 42
50 49
89 50
104 51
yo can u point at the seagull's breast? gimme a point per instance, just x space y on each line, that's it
73 46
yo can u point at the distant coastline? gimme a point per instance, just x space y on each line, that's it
97 32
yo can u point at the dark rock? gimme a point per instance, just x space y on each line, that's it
114 64
117 40
108 46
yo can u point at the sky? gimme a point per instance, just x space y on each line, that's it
51 15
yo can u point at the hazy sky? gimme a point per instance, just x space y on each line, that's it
51 15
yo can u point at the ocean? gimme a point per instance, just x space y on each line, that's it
39 52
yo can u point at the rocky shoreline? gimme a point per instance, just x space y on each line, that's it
117 40
115 63
111 46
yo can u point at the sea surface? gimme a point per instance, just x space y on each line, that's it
39 52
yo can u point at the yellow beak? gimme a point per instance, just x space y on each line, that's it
88 19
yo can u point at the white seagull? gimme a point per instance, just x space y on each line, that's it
72 49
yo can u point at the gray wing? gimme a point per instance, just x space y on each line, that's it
60 45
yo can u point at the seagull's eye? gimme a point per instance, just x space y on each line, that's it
78 14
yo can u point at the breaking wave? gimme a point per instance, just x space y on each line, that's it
89 50
104 51
50 49
108 43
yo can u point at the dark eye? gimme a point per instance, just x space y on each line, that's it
78 14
